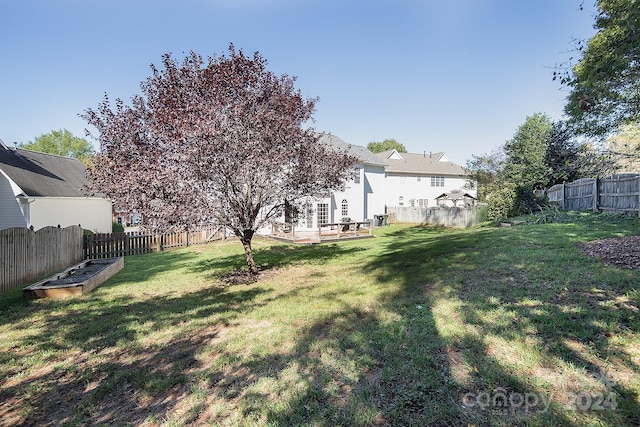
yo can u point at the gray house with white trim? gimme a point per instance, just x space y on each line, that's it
39 190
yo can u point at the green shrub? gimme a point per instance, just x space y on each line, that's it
500 203
511 200
116 227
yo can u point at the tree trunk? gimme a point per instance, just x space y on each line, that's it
248 252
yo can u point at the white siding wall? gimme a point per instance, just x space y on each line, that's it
354 195
10 213
90 213
409 187
365 199
374 193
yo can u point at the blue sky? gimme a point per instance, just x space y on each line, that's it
457 76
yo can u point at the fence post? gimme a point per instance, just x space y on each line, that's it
564 196
595 194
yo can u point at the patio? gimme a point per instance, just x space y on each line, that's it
331 232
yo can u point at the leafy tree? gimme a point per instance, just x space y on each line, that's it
569 158
562 155
525 153
216 141
624 147
387 144
605 82
484 171
62 143
595 162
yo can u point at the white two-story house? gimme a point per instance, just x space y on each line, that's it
417 180
362 198
382 180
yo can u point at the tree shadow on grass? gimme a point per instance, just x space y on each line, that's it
139 268
491 304
349 368
425 353
100 371
275 256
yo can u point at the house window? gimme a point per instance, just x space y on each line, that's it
400 201
323 213
412 203
356 176
437 181
423 203
418 178
345 207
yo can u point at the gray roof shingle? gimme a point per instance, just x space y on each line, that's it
43 175
362 153
421 164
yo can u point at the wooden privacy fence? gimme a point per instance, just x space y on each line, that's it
27 256
113 245
437 215
619 193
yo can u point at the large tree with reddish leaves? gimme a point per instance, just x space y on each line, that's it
216 141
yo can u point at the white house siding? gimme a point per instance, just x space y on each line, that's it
374 192
90 213
364 199
353 194
416 187
10 213
384 178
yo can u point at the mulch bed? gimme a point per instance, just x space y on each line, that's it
623 252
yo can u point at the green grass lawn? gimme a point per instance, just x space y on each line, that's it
420 326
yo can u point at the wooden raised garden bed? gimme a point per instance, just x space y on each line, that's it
77 280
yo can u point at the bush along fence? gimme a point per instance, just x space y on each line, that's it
619 193
112 245
27 256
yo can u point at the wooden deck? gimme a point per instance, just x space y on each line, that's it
332 232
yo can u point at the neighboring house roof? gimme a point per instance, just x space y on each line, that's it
43 175
363 154
455 195
420 164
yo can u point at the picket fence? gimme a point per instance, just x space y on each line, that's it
618 193
114 245
27 256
